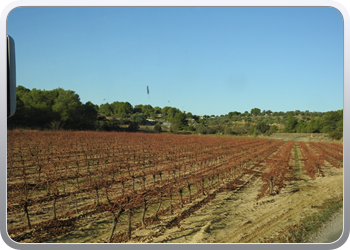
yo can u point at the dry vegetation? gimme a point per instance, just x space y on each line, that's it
133 187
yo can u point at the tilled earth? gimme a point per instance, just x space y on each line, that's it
231 217
239 218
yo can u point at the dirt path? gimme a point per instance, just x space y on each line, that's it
237 217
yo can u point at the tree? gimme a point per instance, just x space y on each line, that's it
313 126
174 128
133 127
178 122
147 110
106 109
301 127
165 110
114 106
89 115
138 118
233 114
203 129
291 124
138 108
189 115
20 90
262 127
121 109
158 127
68 106
125 109
172 112
228 130
330 120
196 118
273 129
268 112
336 135
157 110
255 111
39 108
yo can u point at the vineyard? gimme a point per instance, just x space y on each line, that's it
55 180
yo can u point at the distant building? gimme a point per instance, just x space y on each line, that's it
150 121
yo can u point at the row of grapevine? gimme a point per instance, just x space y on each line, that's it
331 154
277 168
312 163
118 173
56 178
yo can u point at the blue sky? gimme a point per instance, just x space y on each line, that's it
201 60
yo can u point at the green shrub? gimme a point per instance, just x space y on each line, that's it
336 135
158 128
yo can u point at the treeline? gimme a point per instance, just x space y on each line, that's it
330 122
55 109
258 122
62 109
